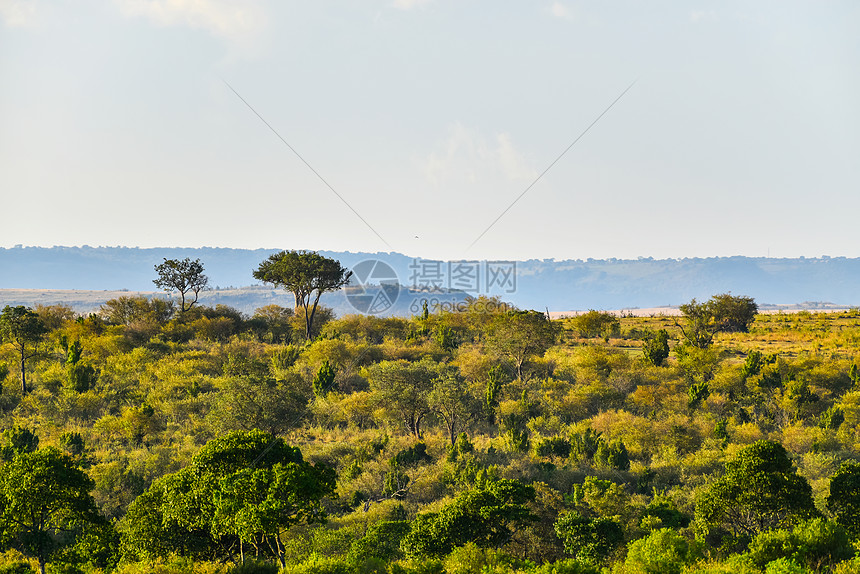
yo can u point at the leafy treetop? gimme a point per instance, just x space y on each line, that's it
307 275
722 313
759 491
185 276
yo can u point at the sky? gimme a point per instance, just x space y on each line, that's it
486 129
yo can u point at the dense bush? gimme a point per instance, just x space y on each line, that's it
459 442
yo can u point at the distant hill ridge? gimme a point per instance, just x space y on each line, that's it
537 284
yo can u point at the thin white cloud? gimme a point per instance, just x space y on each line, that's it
18 13
222 18
468 157
409 4
702 15
561 11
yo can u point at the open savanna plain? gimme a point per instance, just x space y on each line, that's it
790 334
489 440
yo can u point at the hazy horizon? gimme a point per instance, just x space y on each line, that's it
408 255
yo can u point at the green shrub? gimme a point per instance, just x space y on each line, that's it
553 447
471 559
173 565
382 541
813 543
418 566
320 565
655 348
412 456
596 324
255 567
612 455
663 551
664 510
13 562
569 566
590 540
785 566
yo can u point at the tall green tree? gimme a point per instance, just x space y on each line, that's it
484 515
241 490
46 503
760 490
699 326
22 327
185 276
307 275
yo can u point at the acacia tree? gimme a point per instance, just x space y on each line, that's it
185 276
22 327
453 400
305 274
733 313
519 335
700 327
402 389
596 324
722 313
249 398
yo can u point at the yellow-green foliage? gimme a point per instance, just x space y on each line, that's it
163 385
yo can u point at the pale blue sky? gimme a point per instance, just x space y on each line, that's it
740 137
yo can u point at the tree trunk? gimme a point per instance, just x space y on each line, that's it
310 320
418 426
282 559
23 372
41 554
